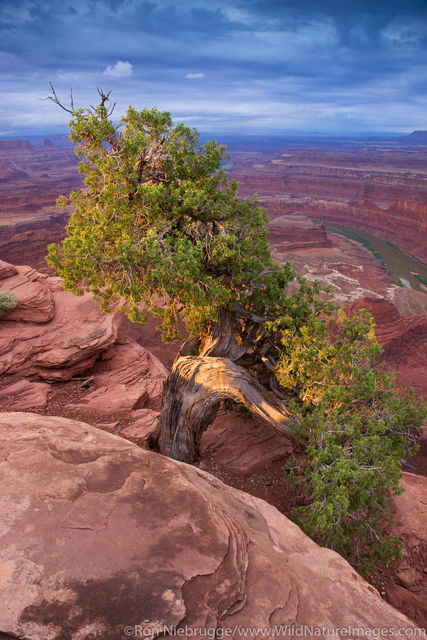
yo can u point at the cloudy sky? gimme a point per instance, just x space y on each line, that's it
259 66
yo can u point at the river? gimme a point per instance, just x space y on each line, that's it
400 265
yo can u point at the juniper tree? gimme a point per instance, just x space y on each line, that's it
159 228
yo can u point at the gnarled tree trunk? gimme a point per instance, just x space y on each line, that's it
222 369
192 394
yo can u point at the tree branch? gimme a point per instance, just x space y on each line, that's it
237 308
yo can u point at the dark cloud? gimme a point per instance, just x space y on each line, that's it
256 64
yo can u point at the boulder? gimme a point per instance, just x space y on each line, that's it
7 270
102 539
35 298
146 421
243 444
410 510
65 346
131 378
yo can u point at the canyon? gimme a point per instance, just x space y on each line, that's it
384 192
31 179
74 380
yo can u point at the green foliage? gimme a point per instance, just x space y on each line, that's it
159 227
357 430
8 301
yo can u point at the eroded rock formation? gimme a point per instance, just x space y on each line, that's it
131 378
31 179
99 535
72 335
35 297
404 340
243 444
54 336
293 233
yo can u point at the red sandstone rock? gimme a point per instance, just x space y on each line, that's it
35 298
410 524
292 233
62 348
408 577
24 394
10 148
132 379
404 340
349 268
242 444
409 302
410 510
35 241
146 421
7 270
31 180
99 535
412 603
382 192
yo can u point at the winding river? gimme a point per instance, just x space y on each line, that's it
400 265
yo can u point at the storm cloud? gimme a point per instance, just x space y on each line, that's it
261 66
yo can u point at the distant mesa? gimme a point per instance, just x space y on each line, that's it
6 146
23 146
419 137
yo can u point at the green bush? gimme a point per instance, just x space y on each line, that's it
8 301
421 279
357 429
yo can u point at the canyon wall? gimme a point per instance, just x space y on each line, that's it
381 192
31 179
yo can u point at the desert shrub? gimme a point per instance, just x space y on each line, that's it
8 301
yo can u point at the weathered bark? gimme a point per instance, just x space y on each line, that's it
192 394
220 340
232 362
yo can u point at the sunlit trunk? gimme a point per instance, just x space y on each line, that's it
192 394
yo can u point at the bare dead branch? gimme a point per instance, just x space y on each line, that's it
54 98
105 97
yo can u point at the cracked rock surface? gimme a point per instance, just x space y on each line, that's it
97 534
